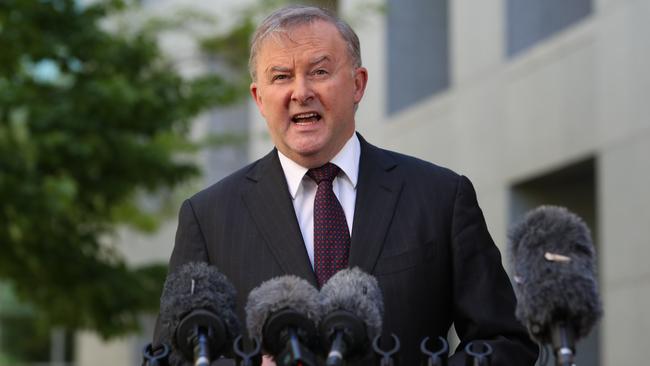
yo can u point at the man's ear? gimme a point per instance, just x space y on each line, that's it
360 82
257 97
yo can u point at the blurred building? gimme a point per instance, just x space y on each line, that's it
536 101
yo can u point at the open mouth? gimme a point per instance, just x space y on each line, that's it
308 117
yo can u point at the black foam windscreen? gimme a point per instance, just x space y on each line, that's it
196 293
279 293
357 292
282 311
552 258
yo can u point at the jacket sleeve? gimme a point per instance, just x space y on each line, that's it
483 299
189 246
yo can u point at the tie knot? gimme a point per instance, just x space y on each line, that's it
326 172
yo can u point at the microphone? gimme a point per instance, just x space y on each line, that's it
553 260
197 312
284 312
353 307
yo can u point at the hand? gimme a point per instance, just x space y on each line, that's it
267 361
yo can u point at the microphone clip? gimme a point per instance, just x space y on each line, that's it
253 358
386 356
480 357
155 356
437 357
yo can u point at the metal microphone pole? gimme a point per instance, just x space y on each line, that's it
295 353
563 345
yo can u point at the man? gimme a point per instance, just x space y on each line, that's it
413 225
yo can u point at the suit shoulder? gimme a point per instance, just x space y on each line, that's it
228 186
413 166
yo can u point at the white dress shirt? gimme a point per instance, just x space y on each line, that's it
303 189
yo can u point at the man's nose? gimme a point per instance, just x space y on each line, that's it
302 91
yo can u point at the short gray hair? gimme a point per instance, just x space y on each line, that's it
291 16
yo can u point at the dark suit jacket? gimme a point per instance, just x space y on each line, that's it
417 228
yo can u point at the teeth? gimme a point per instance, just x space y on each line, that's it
306 115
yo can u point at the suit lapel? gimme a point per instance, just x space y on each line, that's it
378 189
270 205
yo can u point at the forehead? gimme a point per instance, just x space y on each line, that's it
309 39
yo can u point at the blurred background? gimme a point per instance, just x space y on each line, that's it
112 112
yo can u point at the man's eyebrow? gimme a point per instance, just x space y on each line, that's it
318 60
277 69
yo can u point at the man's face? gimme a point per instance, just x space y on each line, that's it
306 89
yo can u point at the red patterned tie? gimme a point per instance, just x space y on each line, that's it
331 234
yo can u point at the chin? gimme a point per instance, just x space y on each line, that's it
308 148
307 153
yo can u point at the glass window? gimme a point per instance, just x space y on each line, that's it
531 21
418 51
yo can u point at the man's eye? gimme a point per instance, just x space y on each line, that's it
320 72
279 77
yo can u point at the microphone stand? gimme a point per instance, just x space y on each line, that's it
345 335
563 339
295 354
335 358
283 333
202 348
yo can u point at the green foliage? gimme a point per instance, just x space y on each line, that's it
88 119
232 49
26 343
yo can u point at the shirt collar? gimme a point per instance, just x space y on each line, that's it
347 159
